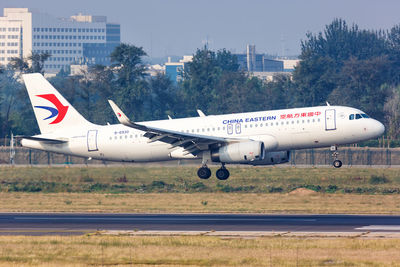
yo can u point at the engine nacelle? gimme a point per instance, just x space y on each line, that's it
271 158
240 152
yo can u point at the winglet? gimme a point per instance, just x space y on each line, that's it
201 113
122 118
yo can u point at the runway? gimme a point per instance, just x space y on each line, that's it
74 223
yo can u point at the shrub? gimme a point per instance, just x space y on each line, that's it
378 180
199 186
331 189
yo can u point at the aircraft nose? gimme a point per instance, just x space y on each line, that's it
379 128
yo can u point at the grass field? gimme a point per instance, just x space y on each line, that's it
184 180
196 251
297 202
177 190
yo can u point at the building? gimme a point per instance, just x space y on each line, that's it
253 62
80 39
174 70
263 66
290 64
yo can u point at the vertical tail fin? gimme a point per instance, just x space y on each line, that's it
52 110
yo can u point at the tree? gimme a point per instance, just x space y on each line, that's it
392 113
163 98
323 56
127 61
37 61
34 63
202 76
360 85
130 87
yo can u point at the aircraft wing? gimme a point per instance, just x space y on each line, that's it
192 143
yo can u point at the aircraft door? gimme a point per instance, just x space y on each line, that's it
238 128
229 128
92 140
330 119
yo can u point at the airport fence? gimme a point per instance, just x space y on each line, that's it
313 157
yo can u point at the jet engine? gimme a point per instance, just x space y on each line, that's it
240 152
271 158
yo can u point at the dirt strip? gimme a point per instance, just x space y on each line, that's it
254 234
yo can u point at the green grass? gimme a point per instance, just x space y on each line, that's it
184 180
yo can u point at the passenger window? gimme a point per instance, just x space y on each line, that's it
358 116
351 117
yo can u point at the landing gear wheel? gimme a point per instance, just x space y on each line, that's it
222 174
337 164
204 173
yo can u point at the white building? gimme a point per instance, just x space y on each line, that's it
81 39
174 70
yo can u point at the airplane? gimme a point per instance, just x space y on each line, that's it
254 138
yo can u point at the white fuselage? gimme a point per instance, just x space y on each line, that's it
280 130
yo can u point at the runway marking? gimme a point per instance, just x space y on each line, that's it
380 227
162 219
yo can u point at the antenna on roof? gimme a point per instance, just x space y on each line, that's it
327 104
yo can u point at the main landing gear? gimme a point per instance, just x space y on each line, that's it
204 172
336 163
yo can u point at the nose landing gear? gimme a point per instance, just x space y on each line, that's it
336 163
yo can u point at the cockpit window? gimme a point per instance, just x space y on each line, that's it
364 115
358 116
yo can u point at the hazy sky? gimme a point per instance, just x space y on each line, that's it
177 27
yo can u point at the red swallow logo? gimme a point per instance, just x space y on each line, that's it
60 111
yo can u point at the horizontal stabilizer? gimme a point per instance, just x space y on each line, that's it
41 139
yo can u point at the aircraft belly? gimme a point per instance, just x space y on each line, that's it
137 152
